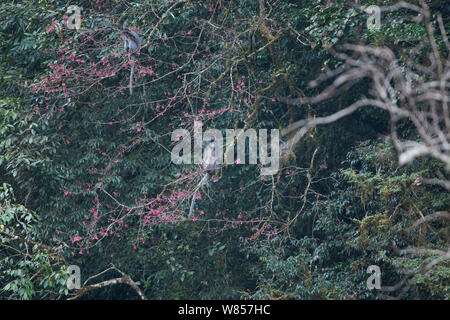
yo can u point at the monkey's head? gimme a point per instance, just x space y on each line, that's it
208 142
132 42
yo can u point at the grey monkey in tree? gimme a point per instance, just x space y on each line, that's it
209 165
131 45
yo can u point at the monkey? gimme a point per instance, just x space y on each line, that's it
131 45
209 165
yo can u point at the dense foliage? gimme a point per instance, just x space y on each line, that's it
87 179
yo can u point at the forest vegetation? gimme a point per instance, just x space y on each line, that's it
86 177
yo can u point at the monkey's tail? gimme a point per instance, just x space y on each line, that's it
202 182
131 79
191 209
